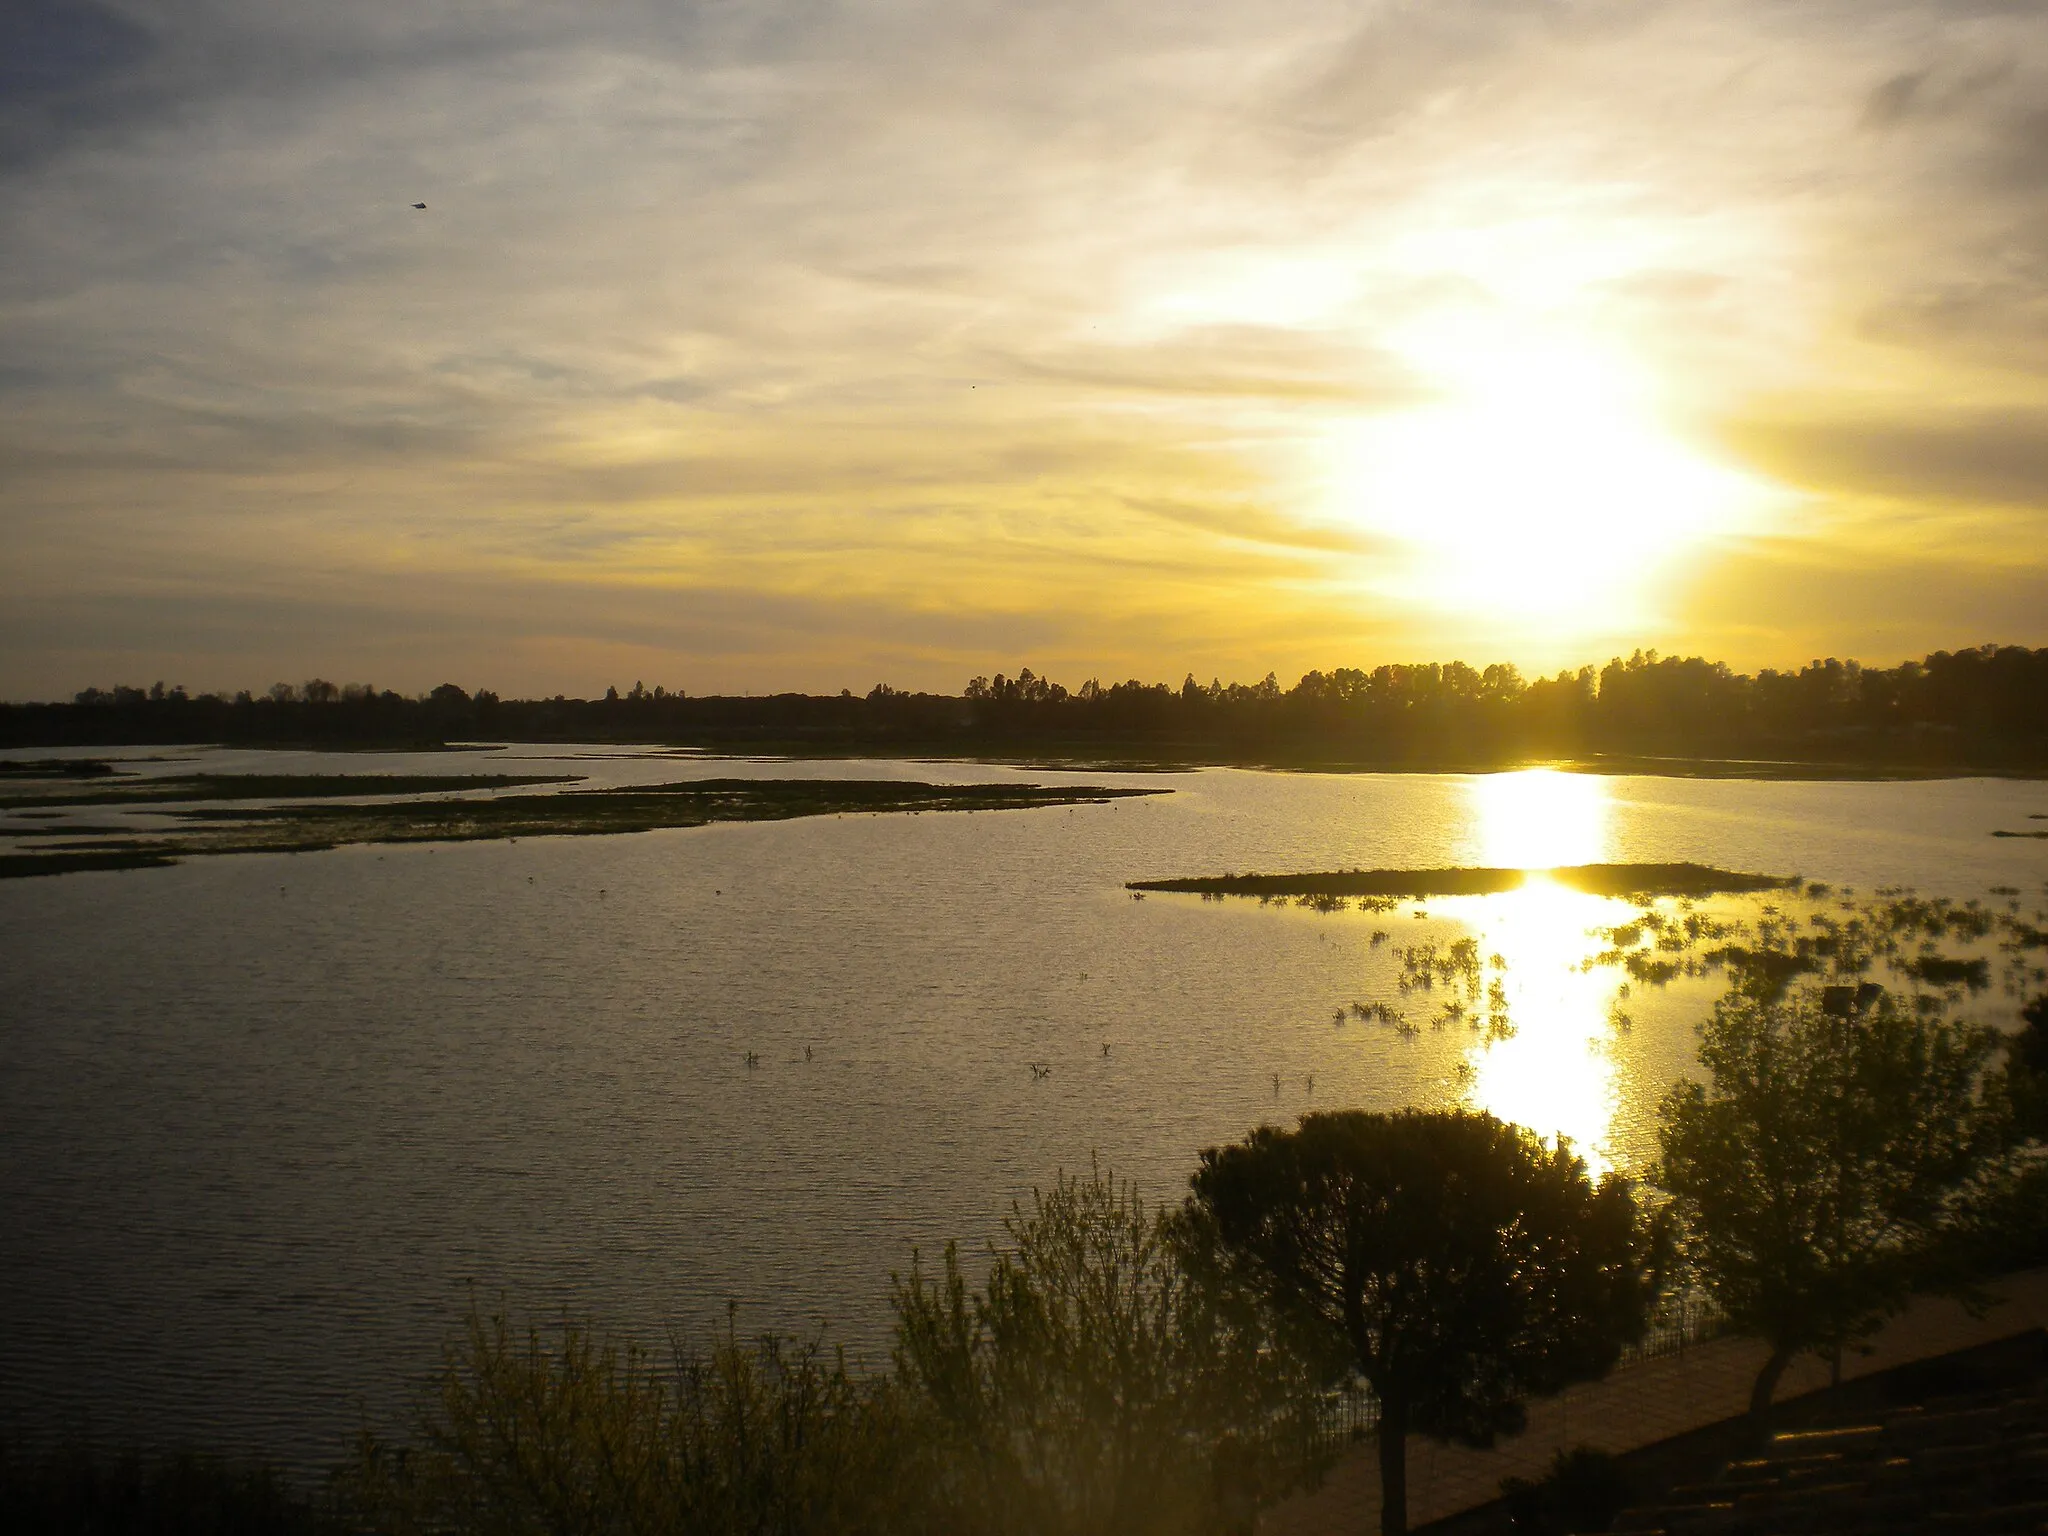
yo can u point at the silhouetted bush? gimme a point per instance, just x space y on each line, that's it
567 1431
1582 1492
1106 1378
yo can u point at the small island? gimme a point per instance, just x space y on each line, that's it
1593 879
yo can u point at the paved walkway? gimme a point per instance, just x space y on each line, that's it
1635 1407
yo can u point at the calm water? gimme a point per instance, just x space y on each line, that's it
265 1121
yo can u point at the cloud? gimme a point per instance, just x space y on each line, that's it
1780 602
1943 459
1042 312
1892 101
49 48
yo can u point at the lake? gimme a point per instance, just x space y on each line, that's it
267 1122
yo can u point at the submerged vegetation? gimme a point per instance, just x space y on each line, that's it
301 828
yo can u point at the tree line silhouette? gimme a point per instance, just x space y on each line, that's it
1981 707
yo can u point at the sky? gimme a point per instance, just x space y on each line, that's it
805 344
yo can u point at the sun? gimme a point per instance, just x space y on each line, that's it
1538 484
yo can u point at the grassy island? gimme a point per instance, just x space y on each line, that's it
304 828
1594 879
127 789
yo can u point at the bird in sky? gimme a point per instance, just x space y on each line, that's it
419 205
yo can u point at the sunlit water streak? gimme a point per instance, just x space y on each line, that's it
264 1120
1554 1073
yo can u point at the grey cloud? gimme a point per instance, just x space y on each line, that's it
2019 159
1395 59
1997 458
50 47
1892 102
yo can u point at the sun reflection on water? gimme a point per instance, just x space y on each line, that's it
1555 1073
1540 818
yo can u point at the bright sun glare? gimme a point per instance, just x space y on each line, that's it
1539 486
1539 819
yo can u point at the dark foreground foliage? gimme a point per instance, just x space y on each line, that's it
1102 1380
1583 1490
1458 1263
78 1490
1821 1172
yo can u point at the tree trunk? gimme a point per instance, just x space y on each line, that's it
1767 1383
1393 1439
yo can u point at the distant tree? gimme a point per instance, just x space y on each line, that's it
283 693
318 690
1457 1262
1816 1172
447 695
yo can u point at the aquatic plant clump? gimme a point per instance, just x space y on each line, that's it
1934 949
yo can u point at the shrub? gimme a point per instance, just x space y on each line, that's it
1582 1492
1105 1379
